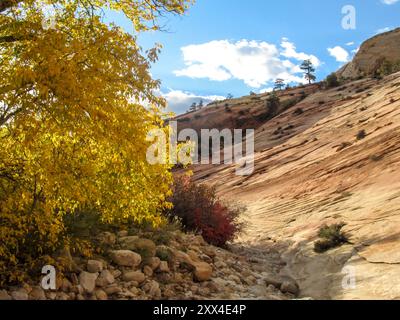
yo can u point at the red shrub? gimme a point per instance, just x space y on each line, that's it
200 210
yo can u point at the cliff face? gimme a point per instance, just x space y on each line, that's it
331 157
372 53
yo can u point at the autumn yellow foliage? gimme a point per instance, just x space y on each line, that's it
76 104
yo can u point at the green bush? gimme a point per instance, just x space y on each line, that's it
331 237
332 81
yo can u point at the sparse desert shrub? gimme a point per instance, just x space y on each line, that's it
332 81
361 135
392 100
197 116
376 157
242 112
331 237
321 103
200 210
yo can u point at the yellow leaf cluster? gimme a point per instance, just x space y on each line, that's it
72 125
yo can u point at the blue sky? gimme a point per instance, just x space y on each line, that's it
233 46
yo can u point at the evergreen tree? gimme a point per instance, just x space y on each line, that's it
309 70
279 84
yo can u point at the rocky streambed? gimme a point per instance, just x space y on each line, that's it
135 268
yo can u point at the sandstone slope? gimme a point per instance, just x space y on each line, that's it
311 170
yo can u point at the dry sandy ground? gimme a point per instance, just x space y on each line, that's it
311 170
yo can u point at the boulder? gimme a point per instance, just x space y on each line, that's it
203 271
145 247
126 258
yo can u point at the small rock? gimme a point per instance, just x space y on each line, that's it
110 290
153 262
88 281
134 276
203 271
126 258
62 296
152 288
163 267
4 295
101 295
148 271
105 278
122 233
51 295
116 273
19 294
37 293
290 287
94 266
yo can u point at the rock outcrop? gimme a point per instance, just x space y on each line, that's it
385 46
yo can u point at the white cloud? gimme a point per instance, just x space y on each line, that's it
256 63
340 54
266 90
290 52
389 2
351 43
179 101
383 30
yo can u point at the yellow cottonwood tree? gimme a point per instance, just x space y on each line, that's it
72 125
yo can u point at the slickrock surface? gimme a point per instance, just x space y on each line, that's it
311 170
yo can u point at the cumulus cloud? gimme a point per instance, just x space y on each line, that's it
340 54
290 52
389 2
179 101
256 63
